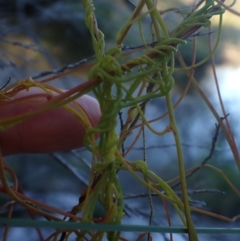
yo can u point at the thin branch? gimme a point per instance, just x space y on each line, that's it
64 68
211 152
20 44
190 192
5 83
121 127
173 145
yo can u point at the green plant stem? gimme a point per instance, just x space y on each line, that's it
156 19
157 23
123 32
191 229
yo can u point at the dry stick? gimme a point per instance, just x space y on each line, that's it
66 67
20 44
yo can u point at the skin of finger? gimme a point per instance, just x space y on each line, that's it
50 131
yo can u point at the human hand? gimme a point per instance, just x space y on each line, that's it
50 131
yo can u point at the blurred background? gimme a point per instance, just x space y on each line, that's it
40 35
